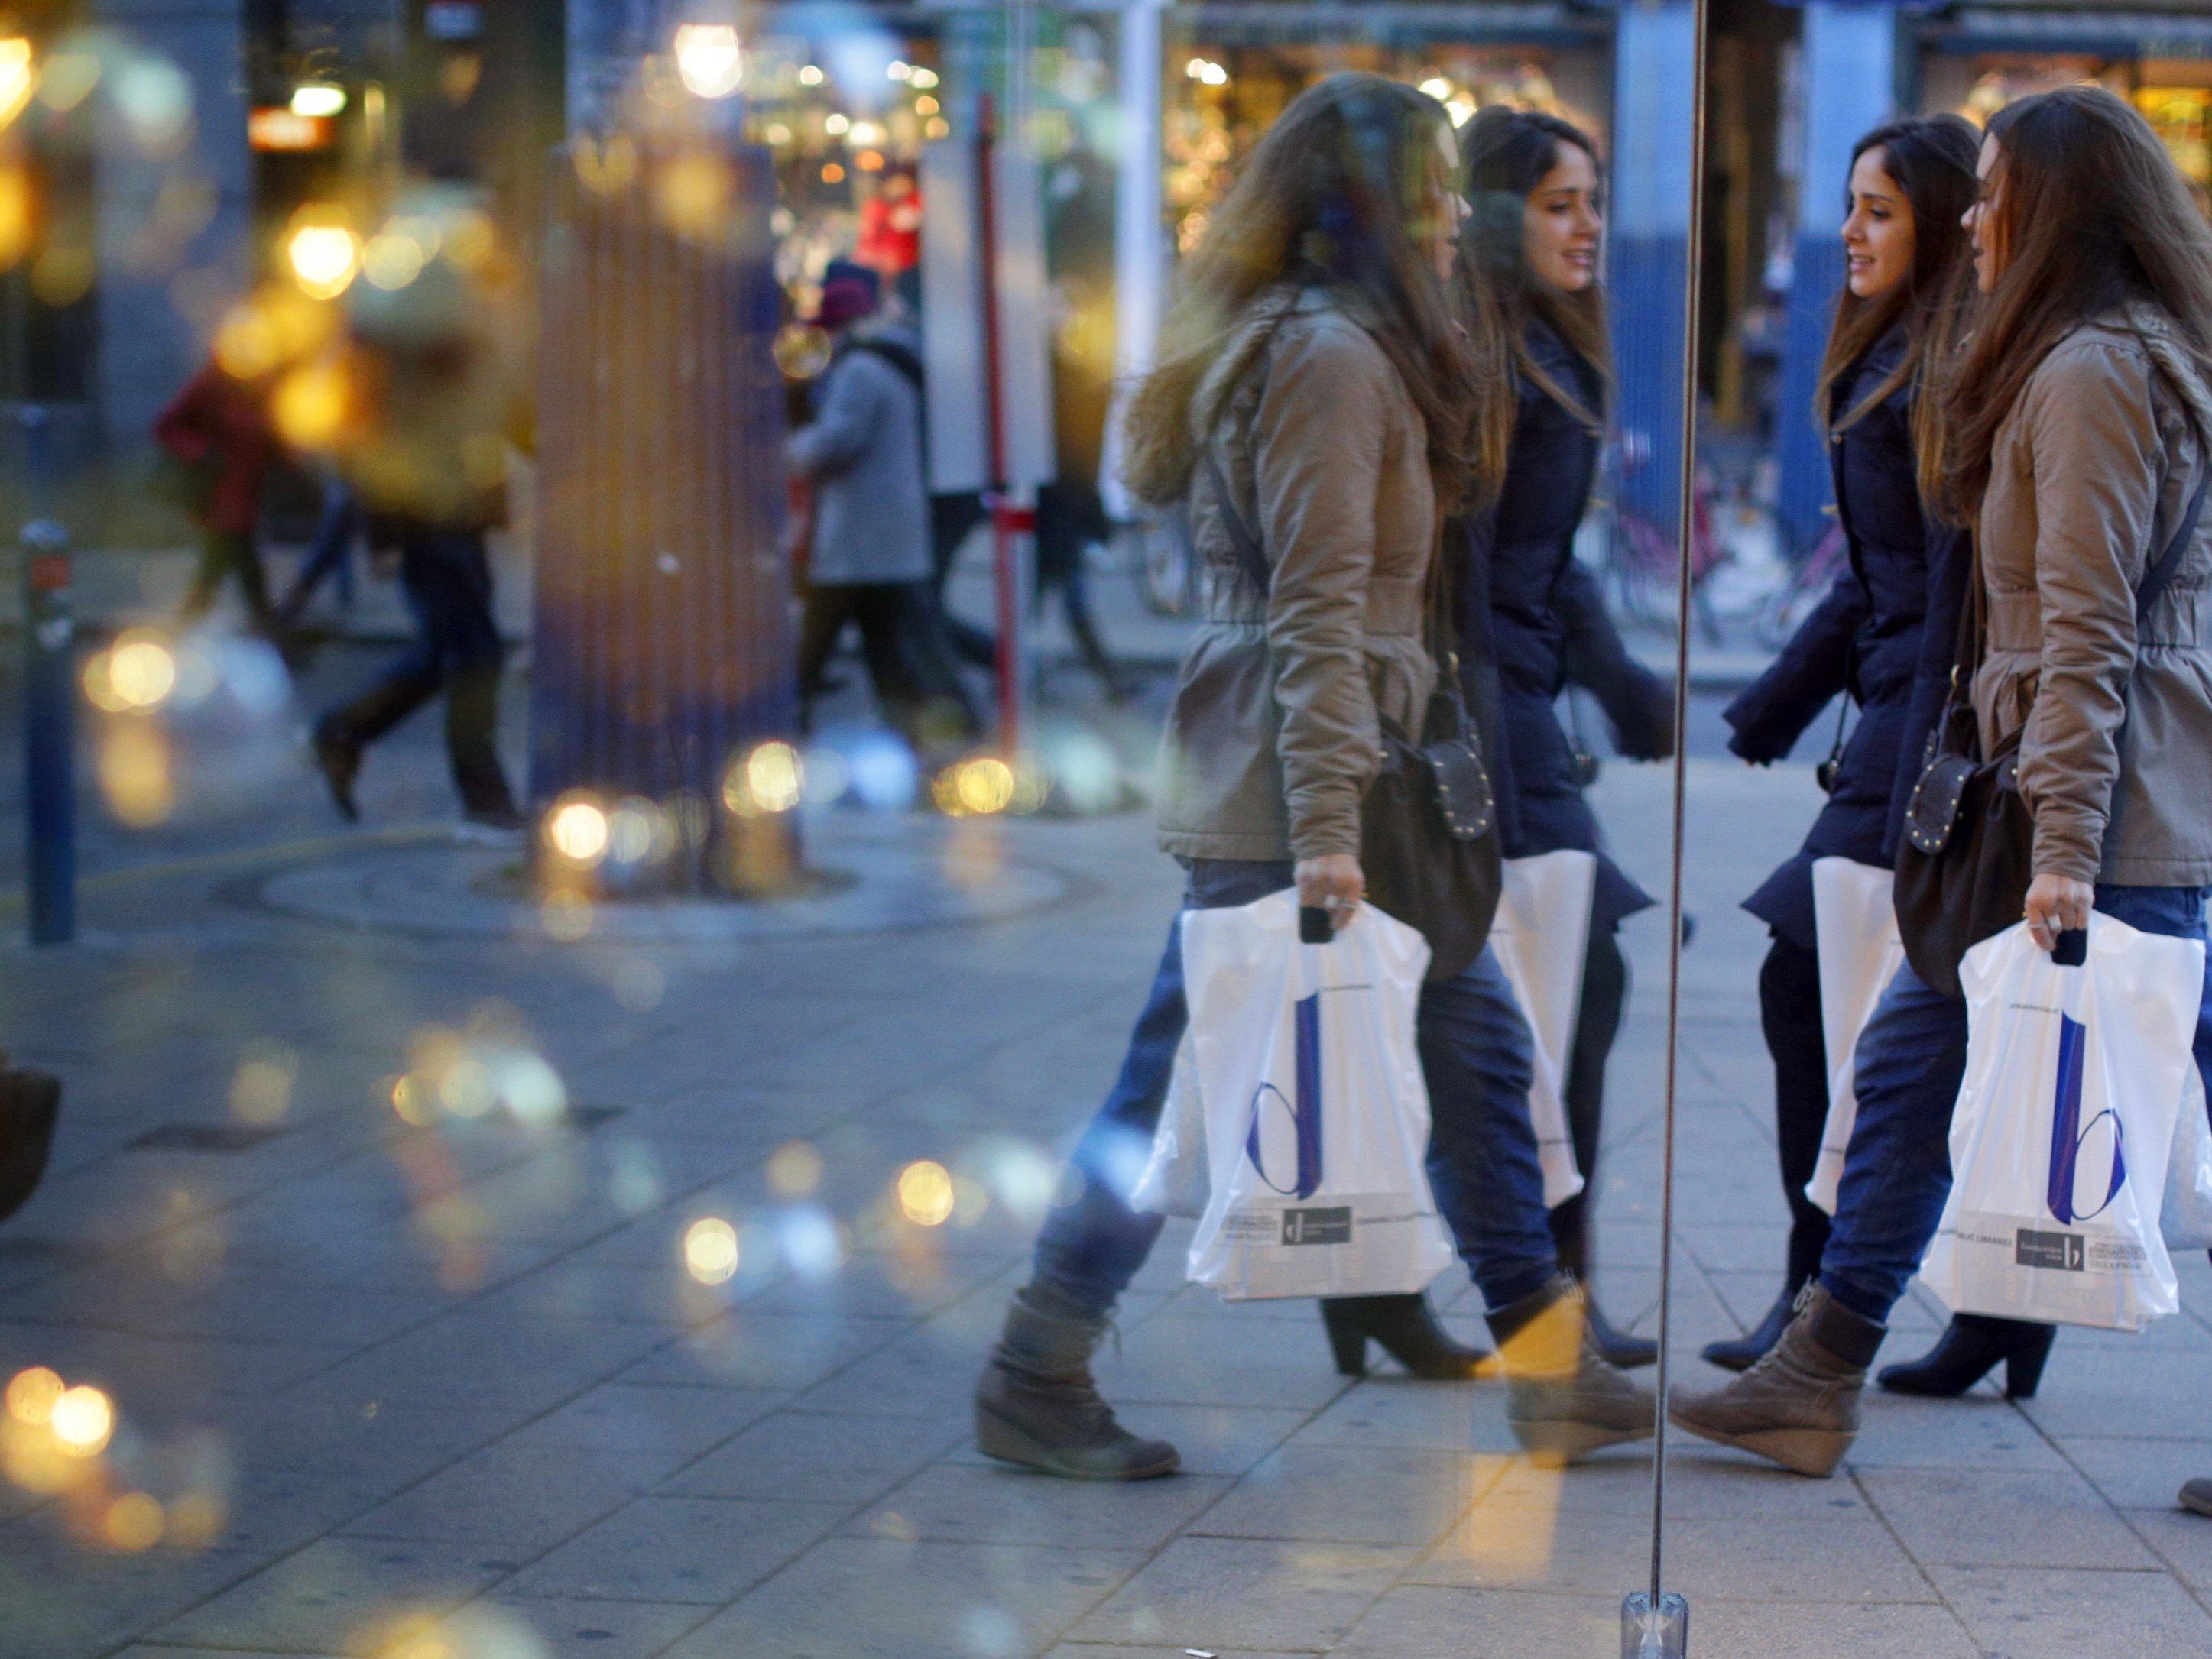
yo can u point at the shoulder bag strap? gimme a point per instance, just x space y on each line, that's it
2160 575
1242 541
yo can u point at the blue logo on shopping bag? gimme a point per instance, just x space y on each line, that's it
1304 1112
2067 1132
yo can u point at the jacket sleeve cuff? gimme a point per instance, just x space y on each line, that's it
1323 824
2063 855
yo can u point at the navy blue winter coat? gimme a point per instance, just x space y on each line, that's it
1885 635
1531 622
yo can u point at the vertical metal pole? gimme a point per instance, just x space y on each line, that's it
1660 1627
49 768
1006 516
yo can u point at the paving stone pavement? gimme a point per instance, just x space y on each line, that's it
483 1379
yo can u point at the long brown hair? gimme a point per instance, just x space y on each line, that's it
1330 198
1509 153
1931 159
2090 214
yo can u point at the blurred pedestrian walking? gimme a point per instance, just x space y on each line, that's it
1532 621
219 438
1314 382
329 554
868 557
1883 635
437 405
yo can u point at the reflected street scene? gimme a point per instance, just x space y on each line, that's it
1210 830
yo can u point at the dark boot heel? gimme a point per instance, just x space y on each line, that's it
1969 1350
2024 1366
1408 1330
1347 1342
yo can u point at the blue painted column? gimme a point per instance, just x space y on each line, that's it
1654 61
1851 77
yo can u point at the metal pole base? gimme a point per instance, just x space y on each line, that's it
1649 1634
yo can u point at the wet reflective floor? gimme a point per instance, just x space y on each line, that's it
486 1295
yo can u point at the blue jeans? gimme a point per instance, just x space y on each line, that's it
1475 1051
1910 1059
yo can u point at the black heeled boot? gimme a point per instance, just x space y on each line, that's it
1740 1353
1968 1350
1620 1349
1408 1329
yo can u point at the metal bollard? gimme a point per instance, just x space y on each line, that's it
1650 1632
49 695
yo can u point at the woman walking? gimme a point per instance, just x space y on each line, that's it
2076 440
1531 622
1313 362
1883 635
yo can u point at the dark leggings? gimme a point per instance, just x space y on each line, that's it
1605 993
1790 1014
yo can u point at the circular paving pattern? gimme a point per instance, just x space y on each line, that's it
876 876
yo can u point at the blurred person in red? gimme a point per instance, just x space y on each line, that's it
217 432
890 241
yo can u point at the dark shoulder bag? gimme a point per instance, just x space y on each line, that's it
1428 843
1964 867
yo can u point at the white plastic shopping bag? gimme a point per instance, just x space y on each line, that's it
1540 935
1175 1182
2184 1219
1316 1114
2064 1126
1855 931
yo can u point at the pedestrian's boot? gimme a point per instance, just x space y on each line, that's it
1037 1405
338 757
1564 1401
1740 1353
1623 1350
1799 1404
1969 1350
1405 1327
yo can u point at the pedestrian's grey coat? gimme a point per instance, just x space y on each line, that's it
863 451
1273 739
2090 472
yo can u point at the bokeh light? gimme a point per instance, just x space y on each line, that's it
710 60
83 1420
925 1193
261 1088
979 787
134 774
17 78
794 1169
771 778
310 405
134 675
31 1395
133 1523
710 1251
324 259
576 829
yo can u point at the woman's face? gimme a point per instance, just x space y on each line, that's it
1439 231
1981 220
1562 224
1878 234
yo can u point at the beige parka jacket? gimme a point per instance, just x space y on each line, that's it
2091 473
1273 738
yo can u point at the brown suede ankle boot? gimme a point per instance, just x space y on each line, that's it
1565 1400
1799 1405
1037 1405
